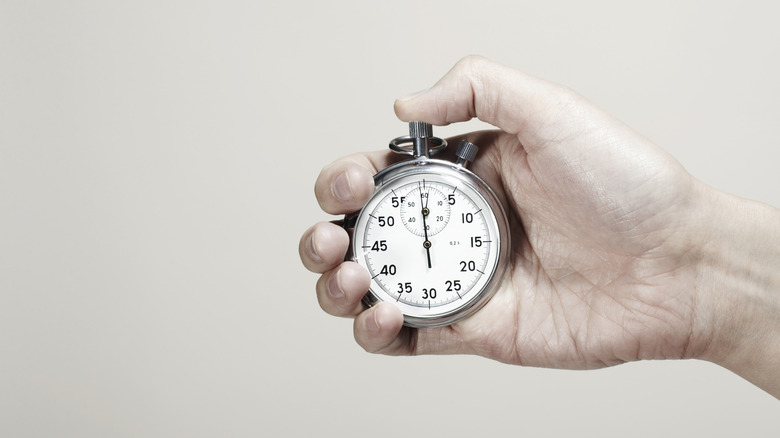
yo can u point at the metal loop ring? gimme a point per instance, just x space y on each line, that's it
437 145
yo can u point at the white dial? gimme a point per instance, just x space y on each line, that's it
431 243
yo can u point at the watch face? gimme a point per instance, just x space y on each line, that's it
431 241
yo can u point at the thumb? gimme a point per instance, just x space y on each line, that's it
513 101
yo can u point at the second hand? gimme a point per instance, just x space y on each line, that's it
427 243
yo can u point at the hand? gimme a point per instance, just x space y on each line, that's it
609 234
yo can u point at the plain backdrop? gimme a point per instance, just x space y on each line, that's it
157 161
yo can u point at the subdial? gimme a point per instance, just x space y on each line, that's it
425 206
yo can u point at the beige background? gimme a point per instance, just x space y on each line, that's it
157 160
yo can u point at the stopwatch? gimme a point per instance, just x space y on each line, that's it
433 236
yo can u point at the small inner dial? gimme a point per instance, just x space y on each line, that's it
425 206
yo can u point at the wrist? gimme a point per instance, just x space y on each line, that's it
738 287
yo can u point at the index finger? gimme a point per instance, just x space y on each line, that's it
345 185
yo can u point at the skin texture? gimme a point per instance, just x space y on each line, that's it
617 255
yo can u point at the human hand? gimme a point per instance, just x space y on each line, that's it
607 227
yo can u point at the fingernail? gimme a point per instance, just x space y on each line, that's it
334 286
313 254
341 188
372 325
412 96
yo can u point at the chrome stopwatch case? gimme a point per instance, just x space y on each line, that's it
433 236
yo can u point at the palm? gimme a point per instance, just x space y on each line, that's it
595 275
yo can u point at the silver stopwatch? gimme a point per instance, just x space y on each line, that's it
433 236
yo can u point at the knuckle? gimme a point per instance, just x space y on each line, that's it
471 61
322 188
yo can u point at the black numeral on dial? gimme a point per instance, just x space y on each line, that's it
405 287
388 270
386 221
468 266
379 245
